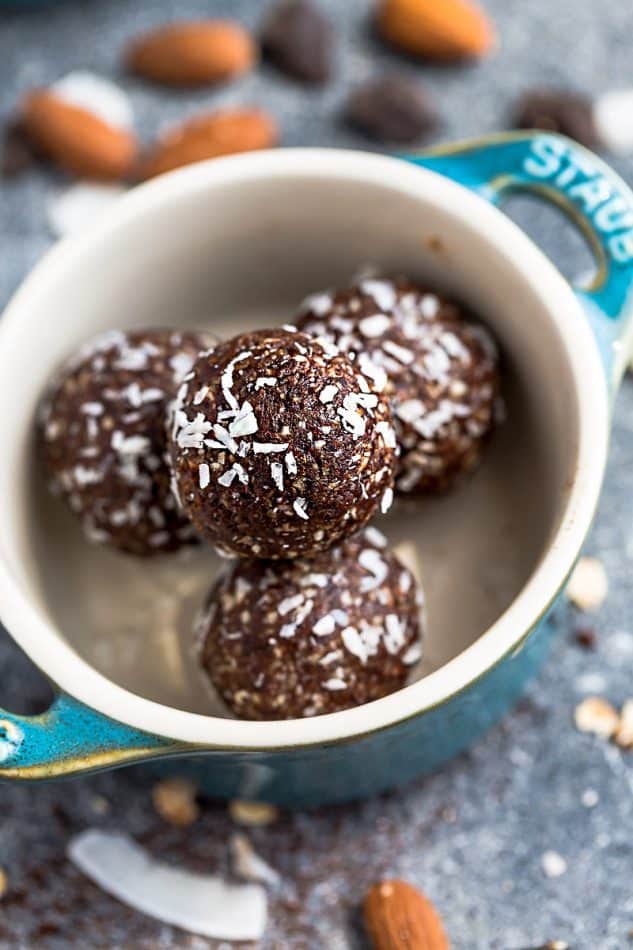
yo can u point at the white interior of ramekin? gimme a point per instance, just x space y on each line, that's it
369 209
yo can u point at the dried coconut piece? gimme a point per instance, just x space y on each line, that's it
597 716
97 95
175 800
553 864
200 903
588 585
624 733
4 883
612 119
252 814
248 865
75 209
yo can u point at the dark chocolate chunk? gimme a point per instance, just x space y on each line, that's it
391 109
279 447
557 110
299 40
285 639
16 152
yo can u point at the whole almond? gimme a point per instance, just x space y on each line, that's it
437 29
192 54
399 917
77 140
209 136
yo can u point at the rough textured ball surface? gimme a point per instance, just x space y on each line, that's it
278 446
103 438
286 639
437 366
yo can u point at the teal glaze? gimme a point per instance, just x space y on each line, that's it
72 738
69 737
556 170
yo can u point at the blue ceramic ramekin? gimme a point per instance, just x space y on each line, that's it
237 241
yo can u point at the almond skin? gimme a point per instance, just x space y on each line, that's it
447 30
399 917
209 136
77 140
192 54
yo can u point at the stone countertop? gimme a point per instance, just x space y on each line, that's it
474 835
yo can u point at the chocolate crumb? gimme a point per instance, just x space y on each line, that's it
17 152
391 108
558 110
299 40
586 637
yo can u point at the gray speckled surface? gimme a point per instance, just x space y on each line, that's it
472 836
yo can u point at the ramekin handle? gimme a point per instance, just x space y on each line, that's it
555 169
70 738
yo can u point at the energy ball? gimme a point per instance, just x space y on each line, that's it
279 447
437 366
103 438
282 640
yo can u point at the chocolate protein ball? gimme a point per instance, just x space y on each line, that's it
279 447
285 639
437 366
103 438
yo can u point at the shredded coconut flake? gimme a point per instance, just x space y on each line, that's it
376 373
412 655
395 636
386 501
299 505
262 381
354 643
325 626
334 684
328 393
265 448
224 438
289 603
388 434
318 304
374 326
429 306
400 353
375 537
371 561
383 292
190 433
244 423
204 475
277 475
